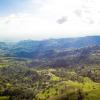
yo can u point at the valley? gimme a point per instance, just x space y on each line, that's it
59 69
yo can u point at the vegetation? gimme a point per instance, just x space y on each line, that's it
51 72
20 82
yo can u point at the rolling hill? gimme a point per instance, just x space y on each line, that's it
54 69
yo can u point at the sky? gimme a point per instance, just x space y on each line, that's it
44 19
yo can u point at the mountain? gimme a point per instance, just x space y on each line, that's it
34 49
61 43
55 52
55 69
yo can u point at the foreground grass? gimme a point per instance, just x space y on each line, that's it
4 97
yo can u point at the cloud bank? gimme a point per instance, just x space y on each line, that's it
42 19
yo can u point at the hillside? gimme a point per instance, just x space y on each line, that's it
55 69
55 52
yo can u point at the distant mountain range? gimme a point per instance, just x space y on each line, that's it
46 48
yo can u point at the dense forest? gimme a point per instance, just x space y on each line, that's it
56 69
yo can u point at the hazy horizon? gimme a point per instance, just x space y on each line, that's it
30 39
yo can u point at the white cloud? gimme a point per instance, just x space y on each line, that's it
83 18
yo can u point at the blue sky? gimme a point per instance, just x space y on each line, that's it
9 6
12 6
42 19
